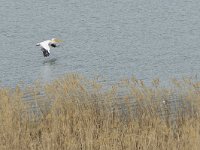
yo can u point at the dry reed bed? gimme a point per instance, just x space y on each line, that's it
78 114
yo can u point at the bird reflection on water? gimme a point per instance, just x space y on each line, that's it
48 69
51 61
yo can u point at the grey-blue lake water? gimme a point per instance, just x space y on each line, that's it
113 39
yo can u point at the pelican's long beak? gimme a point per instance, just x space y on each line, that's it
57 40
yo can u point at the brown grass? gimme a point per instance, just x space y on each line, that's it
81 115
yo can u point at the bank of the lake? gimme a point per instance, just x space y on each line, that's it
75 113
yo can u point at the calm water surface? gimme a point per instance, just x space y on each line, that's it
113 39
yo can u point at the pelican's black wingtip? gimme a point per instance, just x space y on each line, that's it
53 45
46 53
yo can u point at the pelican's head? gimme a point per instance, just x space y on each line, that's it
54 40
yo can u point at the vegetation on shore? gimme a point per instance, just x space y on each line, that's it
74 113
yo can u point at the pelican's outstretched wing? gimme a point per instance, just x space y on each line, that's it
45 45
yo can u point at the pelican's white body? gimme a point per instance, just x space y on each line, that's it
46 45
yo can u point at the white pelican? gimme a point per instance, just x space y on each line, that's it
45 46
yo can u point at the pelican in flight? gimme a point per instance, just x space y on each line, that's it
45 46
